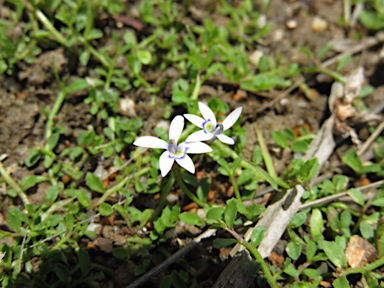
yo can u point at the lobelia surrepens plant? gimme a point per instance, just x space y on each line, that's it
212 130
178 152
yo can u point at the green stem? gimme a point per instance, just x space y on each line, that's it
264 267
183 187
369 267
231 153
119 186
53 113
13 184
235 187
163 197
264 151
44 20
94 52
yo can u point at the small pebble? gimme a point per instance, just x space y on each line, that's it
292 24
254 58
319 24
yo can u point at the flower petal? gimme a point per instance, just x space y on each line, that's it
207 113
176 128
195 147
187 163
196 120
165 163
199 136
232 118
151 142
225 139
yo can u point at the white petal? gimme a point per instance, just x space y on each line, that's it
199 136
187 163
232 118
207 113
176 128
196 147
151 142
225 139
165 163
196 120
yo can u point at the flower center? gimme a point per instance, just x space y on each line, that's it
208 127
174 150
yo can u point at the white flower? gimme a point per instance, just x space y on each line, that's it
173 151
212 129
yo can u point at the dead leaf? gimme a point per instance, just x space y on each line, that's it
274 257
360 252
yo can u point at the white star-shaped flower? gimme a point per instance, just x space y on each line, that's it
212 129
173 151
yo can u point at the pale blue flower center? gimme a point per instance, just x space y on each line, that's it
175 151
208 127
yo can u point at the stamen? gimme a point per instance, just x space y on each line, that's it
172 146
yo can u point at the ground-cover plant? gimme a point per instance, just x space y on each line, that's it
95 179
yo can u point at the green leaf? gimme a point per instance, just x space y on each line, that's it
121 253
344 61
215 213
311 250
298 219
14 219
245 176
353 161
230 213
94 182
33 157
62 272
220 243
77 85
378 202
316 224
105 209
366 230
312 273
308 170
341 282
257 235
280 138
144 56
255 210
265 176
191 219
299 146
84 261
335 254
257 156
357 196
52 194
293 250
83 199
166 282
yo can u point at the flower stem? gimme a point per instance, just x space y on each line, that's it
183 187
264 267
163 197
235 187
231 153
